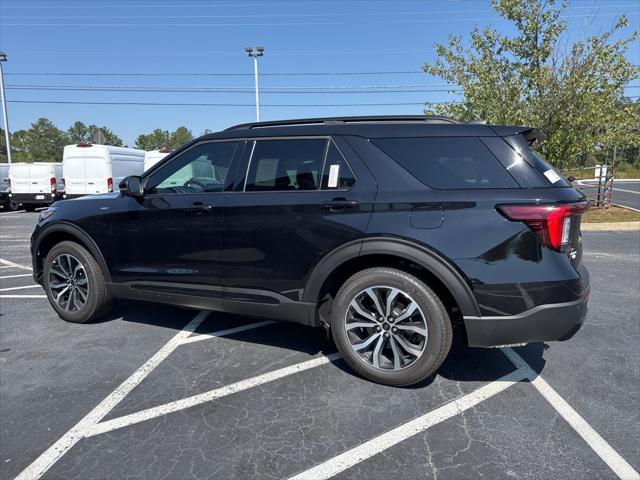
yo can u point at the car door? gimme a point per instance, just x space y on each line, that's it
298 200
169 239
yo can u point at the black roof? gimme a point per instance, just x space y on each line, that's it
369 127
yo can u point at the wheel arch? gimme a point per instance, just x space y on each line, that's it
390 252
55 233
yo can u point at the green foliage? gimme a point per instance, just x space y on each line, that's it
159 139
81 133
574 94
43 142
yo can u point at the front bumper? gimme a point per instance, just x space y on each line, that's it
556 321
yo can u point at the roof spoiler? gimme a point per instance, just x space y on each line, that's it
531 135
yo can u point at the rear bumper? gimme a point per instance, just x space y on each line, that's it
557 321
30 198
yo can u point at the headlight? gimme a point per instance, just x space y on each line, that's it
44 214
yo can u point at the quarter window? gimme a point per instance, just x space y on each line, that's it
286 165
203 168
451 162
336 175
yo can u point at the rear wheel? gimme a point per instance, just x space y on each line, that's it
390 327
29 208
74 283
11 206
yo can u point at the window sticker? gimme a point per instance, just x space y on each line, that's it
334 171
552 176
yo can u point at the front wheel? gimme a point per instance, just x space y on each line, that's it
390 327
75 284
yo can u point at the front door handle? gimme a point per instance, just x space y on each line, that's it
340 204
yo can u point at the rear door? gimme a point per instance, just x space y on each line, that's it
20 178
74 175
297 199
40 180
97 172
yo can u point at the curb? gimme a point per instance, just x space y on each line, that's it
619 226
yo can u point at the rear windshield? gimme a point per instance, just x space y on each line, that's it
448 162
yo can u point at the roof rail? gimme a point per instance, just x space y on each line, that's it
346 120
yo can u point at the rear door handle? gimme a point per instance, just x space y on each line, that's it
340 204
198 209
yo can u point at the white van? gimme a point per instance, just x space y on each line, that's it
35 184
152 157
90 169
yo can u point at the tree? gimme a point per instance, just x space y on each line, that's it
81 133
159 139
3 147
575 95
43 142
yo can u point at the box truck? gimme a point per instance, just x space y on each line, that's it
89 169
152 157
35 184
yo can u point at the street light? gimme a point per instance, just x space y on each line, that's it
258 53
3 58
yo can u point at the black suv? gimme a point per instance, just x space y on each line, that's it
387 230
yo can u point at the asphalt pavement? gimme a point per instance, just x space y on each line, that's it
156 392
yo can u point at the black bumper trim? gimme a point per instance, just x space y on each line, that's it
556 321
30 198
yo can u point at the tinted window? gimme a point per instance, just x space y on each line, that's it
336 174
203 168
452 162
282 165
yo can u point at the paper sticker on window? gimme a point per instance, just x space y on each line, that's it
552 176
334 170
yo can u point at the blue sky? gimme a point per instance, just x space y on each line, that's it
207 37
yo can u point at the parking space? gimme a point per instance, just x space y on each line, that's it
160 392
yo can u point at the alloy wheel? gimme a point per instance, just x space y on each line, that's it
68 283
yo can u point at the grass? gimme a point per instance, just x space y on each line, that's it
611 214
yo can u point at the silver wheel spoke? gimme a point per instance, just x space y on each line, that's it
410 310
413 328
396 353
58 285
362 345
390 299
356 306
62 292
77 305
376 301
376 352
352 325
83 294
57 271
408 347
69 300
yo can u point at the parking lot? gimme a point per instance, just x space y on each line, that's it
158 392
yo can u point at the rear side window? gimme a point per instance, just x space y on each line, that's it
336 175
284 165
448 162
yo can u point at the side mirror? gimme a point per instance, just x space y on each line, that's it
571 179
131 186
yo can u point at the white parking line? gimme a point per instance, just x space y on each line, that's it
16 276
387 440
19 288
626 191
13 264
222 333
598 444
23 296
205 397
45 461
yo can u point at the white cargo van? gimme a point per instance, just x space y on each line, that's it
152 157
90 169
35 184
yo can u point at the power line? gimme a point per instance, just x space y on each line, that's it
212 74
65 102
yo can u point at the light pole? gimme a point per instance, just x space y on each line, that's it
3 58
258 53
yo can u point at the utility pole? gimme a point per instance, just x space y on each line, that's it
3 58
259 53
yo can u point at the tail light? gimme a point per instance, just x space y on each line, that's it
110 184
552 223
53 185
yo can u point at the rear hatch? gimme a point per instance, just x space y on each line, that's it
40 179
20 182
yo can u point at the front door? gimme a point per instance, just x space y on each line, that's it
169 239
300 200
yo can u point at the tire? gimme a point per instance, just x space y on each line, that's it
413 296
29 208
11 206
97 298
